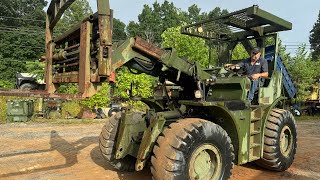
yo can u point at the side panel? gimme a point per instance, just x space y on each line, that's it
235 122
237 125
267 95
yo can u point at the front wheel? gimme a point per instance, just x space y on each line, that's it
107 143
192 149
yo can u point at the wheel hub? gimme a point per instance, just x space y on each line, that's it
205 163
286 141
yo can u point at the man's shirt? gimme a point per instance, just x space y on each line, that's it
260 66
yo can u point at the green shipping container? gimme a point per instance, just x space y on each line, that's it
19 110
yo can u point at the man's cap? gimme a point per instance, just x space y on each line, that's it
256 50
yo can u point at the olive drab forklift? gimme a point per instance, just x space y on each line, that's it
199 122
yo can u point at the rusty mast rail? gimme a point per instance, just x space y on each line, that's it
37 94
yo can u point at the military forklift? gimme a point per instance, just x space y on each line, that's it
199 122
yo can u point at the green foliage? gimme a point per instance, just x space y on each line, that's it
9 67
192 47
118 30
22 35
70 109
194 14
36 68
239 52
154 20
142 87
26 9
79 10
303 72
100 99
314 39
68 88
3 109
133 29
6 84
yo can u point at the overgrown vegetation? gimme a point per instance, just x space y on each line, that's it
100 99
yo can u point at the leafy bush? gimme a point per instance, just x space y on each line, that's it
70 109
6 84
68 88
100 99
142 87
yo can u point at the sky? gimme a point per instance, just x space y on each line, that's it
301 13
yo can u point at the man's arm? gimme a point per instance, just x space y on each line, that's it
260 75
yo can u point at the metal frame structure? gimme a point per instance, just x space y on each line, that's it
70 57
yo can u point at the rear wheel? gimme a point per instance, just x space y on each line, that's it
280 141
107 143
192 149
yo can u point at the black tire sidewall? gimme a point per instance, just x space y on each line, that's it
28 86
128 162
287 120
212 136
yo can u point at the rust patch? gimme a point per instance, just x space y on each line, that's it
148 48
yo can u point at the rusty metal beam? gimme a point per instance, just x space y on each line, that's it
74 30
105 30
56 9
147 48
67 77
84 66
50 87
37 94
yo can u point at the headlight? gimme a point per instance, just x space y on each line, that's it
197 94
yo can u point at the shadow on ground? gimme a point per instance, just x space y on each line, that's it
69 150
97 158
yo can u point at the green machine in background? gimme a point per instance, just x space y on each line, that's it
19 110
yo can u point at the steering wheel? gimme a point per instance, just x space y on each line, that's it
232 67
234 70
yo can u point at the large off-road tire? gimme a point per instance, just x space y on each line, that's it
192 149
107 143
280 141
28 86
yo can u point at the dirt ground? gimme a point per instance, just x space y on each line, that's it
47 151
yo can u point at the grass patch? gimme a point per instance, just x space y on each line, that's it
307 118
67 121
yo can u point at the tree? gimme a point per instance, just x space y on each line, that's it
79 10
153 21
187 46
22 25
132 29
303 72
314 39
194 14
118 30
142 84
